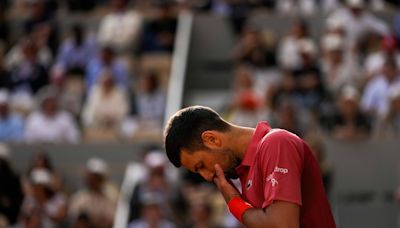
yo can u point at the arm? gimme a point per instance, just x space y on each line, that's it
278 214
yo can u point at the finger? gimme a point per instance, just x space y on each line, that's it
220 174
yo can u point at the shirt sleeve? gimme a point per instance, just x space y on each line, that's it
282 163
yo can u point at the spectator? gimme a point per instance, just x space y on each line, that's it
308 78
157 184
5 77
107 104
126 23
41 24
29 75
388 127
11 124
200 216
246 106
339 69
151 100
60 126
288 49
46 207
76 51
106 59
252 50
374 61
10 192
348 122
21 52
159 32
93 200
358 22
151 213
375 99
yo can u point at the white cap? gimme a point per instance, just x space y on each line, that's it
97 165
350 93
4 151
154 159
394 92
41 176
334 23
355 3
307 46
333 42
4 96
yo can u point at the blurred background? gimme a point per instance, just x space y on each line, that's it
87 86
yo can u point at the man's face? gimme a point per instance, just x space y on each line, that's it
203 161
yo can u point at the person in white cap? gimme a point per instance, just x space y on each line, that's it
10 191
11 124
92 200
358 22
338 68
45 207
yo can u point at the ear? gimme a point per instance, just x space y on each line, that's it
211 139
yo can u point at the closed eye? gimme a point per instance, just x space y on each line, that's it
198 166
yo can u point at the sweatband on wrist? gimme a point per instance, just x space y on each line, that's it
237 206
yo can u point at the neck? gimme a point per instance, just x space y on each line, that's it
241 138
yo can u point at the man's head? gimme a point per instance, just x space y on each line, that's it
197 138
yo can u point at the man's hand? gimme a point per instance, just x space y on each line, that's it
225 187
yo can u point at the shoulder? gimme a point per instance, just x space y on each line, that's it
278 136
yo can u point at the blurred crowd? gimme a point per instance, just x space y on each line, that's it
344 84
97 70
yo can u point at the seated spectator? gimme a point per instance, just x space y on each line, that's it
60 126
348 122
338 69
106 59
150 100
200 216
308 78
122 21
246 106
107 104
159 32
41 23
375 100
151 213
18 54
75 52
93 199
374 61
252 50
11 124
46 207
358 22
5 76
29 75
388 127
288 49
10 192
157 183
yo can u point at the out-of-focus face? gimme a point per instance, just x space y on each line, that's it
203 161
349 107
335 56
298 31
50 106
118 4
3 109
94 181
396 105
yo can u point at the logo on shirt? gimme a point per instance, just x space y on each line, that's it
271 177
249 184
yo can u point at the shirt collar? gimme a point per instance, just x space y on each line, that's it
261 130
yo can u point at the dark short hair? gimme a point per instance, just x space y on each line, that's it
184 130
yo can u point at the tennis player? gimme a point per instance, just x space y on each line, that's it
281 183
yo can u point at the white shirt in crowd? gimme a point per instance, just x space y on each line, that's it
120 29
60 128
100 108
374 62
151 107
357 27
288 53
376 95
